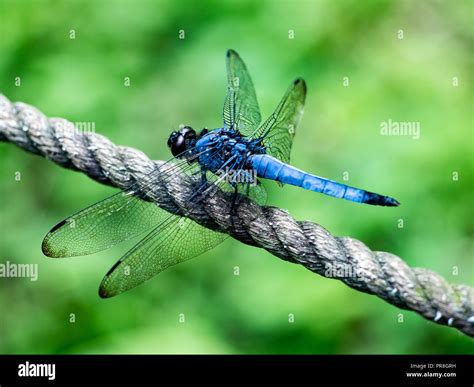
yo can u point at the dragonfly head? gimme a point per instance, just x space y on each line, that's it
182 140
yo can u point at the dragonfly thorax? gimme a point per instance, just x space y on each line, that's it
225 148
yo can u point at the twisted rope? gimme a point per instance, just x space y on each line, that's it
382 274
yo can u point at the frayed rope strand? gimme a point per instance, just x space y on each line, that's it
382 274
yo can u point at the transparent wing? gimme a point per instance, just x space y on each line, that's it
174 240
241 111
280 128
121 216
256 192
124 215
102 225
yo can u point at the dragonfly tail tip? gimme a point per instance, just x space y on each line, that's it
391 202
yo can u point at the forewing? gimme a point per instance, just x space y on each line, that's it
120 217
241 111
174 240
255 191
280 128
100 226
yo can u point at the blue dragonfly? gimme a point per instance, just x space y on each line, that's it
230 159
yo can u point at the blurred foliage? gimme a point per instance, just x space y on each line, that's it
176 81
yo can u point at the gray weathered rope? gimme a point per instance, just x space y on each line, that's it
382 274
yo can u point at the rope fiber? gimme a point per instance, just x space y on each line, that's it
309 244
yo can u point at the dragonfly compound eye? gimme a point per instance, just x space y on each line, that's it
181 141
172 138
177 144
187 132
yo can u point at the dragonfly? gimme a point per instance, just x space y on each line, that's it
230 159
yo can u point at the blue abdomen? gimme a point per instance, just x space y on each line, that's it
269 167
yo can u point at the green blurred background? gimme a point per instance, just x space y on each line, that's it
175 81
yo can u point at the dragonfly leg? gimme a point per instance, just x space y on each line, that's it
203 177
233 207
234 200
